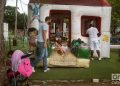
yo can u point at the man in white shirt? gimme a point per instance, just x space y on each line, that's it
93 40
42 44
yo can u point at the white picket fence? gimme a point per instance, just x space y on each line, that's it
114 46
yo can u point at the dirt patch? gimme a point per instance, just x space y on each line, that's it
69 83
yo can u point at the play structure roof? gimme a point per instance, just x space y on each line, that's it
74 2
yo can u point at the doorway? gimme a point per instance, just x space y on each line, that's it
61 19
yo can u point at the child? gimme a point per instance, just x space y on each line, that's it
58 34
32 33
60 48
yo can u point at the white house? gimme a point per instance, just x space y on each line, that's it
74 17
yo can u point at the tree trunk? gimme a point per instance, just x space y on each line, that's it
2 46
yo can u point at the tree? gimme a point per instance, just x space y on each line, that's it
10 18
2 4
22 20
115 18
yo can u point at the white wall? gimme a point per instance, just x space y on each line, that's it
106 19
105 44
77 12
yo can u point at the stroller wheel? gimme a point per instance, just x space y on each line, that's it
13 82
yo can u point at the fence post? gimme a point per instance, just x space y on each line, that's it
9 43
43 83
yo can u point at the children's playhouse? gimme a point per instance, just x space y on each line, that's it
74 18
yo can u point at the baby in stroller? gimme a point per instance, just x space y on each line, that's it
21 68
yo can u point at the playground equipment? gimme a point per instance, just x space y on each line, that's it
74 18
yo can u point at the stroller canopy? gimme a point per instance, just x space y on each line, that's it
16 59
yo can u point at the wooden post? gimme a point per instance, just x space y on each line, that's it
15 31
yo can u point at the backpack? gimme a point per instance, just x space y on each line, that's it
22 66
25 68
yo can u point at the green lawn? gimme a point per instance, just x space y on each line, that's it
98 69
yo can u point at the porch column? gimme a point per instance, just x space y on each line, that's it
75 25
105 36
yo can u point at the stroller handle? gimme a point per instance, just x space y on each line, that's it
26 55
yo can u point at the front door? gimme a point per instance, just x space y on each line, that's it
61 19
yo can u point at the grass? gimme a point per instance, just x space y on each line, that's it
98 69
21 44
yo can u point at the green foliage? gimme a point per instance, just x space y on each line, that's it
22 18
9 17
115 13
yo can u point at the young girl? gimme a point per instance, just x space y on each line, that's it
60 48
32 33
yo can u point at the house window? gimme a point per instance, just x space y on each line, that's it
86 21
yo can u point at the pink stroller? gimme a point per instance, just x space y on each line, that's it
21 68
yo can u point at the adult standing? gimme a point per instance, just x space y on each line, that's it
93 40
42 45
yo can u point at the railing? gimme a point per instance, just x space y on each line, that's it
115 46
